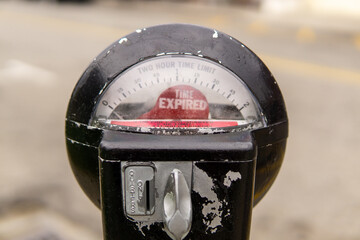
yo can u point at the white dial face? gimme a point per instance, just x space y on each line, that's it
178 94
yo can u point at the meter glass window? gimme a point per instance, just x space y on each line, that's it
178 94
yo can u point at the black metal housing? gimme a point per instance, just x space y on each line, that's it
83 140
215 154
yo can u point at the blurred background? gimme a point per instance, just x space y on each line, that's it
312 48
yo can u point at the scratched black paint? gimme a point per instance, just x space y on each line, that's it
236 199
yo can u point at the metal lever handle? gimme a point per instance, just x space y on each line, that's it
177 206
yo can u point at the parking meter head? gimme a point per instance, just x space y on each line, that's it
180 103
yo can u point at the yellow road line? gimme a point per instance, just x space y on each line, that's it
106 32
259 28
327 73
305 35
357 42
217 21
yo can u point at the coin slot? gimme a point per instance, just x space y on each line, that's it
147 187
139 190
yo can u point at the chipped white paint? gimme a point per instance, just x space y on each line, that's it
144 129
78 124
210 130
138 30
141 225
228 213
212 210
91 127
123 40
242 45
215 35
80 143
231 177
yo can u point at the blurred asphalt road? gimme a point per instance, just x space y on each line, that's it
44 48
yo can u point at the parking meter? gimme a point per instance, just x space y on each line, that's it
176 132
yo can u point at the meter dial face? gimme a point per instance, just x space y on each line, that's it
177 94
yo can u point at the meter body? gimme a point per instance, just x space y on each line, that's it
176 132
